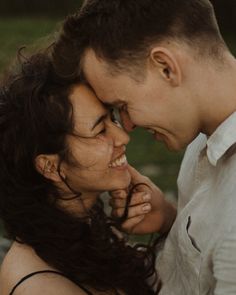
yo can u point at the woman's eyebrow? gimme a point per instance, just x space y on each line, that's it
99 120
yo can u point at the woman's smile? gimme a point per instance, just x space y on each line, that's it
100 159
119 163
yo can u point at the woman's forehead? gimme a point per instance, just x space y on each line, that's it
86 107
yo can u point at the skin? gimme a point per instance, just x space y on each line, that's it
92 150
156 103
173 99
22 260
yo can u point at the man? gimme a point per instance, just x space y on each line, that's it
164 64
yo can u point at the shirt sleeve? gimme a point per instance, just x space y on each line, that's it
224 265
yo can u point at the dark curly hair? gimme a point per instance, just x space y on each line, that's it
35 117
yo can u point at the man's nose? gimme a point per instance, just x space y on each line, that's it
128 125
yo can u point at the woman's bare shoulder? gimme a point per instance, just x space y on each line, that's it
19 262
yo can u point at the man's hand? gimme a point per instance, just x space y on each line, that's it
149 212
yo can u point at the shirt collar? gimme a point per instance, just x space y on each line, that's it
222 139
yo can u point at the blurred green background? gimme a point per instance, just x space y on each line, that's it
27 22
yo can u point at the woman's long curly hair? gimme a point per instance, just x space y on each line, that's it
35 117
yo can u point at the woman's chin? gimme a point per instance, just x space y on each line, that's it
121 182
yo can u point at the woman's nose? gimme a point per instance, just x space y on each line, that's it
120 136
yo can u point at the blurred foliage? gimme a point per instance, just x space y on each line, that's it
35 7
17 32
225 10
152 158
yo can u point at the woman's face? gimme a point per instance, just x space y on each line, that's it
97 147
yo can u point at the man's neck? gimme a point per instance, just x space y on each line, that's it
219 100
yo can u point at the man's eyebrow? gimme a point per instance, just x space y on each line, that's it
99 120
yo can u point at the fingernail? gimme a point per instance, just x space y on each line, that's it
117 193
146 197
146 208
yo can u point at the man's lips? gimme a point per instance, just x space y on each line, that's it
156 135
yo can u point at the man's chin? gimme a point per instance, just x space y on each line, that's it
174 146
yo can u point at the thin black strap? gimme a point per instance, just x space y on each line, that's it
44 271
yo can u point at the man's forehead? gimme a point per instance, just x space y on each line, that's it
92 71
109 100
95 74
91 63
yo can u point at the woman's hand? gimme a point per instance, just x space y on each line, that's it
148 212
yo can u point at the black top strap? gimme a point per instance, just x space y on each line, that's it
44 271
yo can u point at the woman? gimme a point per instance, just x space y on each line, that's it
60 148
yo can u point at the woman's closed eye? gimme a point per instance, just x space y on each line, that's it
102 131
112 117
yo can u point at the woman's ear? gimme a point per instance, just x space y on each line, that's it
167 65
48 166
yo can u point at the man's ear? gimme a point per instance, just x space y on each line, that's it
167 64
48 166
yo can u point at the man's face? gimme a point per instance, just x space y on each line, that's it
152 103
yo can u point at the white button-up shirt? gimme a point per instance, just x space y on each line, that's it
199 256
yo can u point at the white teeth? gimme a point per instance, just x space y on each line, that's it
119 162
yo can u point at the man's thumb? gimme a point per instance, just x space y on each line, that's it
136 177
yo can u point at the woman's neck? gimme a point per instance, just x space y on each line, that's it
79 205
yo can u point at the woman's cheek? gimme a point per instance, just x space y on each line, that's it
105 147
96 153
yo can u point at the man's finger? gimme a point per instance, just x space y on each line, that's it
130 224
137 198
136 177
133 211
119 194
141 182
138 224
